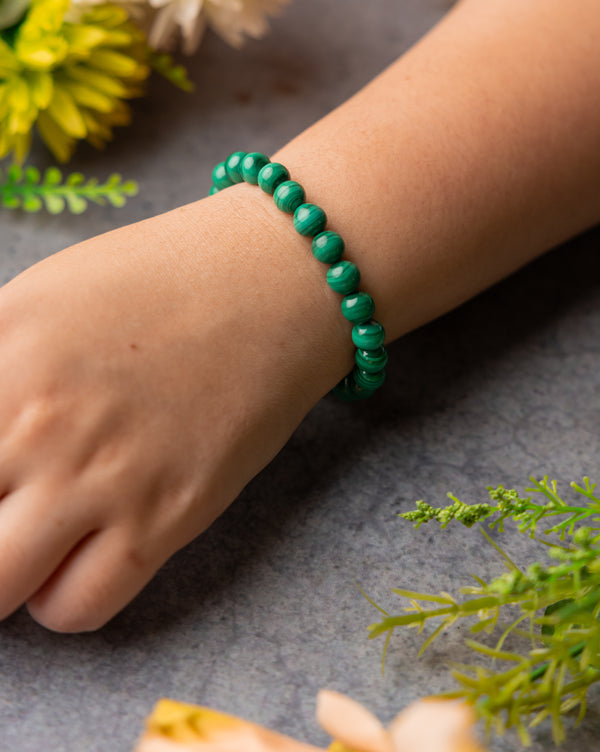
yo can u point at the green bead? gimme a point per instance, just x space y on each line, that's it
348 390
233 166
288 196
371 360
358 307
220 177
328 247
343 277
309 219
366 380
213 190
252 164
368 336
271 176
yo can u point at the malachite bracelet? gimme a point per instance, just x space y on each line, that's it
343 276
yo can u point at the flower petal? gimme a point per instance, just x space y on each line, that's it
65 113
433 725
350 723
55 138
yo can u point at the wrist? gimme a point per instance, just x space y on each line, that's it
301 320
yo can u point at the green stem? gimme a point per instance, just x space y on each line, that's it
540 670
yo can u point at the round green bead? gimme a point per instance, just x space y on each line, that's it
252 164
371 360
288 196
366 380
271 175
309 219
213 190
358 307
328 247
233 166
220 177
343 277
369 335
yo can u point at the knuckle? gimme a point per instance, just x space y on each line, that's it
38 418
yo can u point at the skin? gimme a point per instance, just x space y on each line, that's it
169 361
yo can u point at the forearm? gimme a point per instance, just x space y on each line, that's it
476 151
466 158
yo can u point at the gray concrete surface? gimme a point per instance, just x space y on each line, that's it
261 611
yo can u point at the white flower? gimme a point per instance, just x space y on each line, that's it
173 18
167 21
231 19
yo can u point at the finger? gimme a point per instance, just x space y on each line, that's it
94 582
37 531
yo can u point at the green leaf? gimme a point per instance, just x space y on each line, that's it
52 176
444 599
434 635
163 64
548 629
55 203
76 203
32 175
15 173
27 189
362 592
11 202
116 199
492 652
129 188
31 202
483 625
74 179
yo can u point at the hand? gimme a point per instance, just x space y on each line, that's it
148 374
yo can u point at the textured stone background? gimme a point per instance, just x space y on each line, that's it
260 612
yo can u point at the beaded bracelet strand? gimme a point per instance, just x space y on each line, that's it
328 247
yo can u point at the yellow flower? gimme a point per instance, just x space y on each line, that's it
68 78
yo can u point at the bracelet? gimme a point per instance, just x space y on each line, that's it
343 276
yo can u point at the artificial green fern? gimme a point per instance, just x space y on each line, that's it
558 602
508 504
25 188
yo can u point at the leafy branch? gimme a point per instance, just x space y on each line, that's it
27 189
509 504
558 612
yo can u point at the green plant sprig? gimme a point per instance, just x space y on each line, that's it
509 504
558 602
25 188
